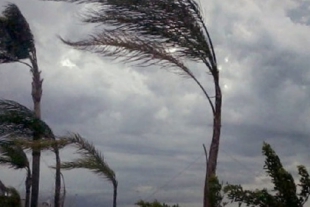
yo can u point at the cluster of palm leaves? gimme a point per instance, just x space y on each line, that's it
22 128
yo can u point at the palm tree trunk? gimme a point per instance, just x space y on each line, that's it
214 148
28 187
36 153
206 202
62 204
114 193
36 97
57 202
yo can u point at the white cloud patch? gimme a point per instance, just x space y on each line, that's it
67 63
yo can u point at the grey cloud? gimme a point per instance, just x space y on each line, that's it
300 14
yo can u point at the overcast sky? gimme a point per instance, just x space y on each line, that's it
150 124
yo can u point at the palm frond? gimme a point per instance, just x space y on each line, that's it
18 120
16 39
174 23
13 155
91 159
132 49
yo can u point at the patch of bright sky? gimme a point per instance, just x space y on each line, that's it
171 50
67 63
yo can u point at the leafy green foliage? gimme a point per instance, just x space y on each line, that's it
284 193
155 203
16 39
216 195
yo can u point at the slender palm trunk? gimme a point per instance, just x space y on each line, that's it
62 204
206 186
214 148
114 193
217 123
57 202
28 187
36 153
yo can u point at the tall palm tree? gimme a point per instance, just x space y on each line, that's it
15 157
17 44
92 160
142 32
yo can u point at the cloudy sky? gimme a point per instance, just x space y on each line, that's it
150 124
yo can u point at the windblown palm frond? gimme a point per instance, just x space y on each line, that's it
16 39
167 24
13 155
130 49
18 120
91 159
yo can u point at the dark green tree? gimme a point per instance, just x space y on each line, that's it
16 45
143 32
284 193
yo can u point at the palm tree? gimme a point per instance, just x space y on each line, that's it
15 157
142 32
16 44
92 160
